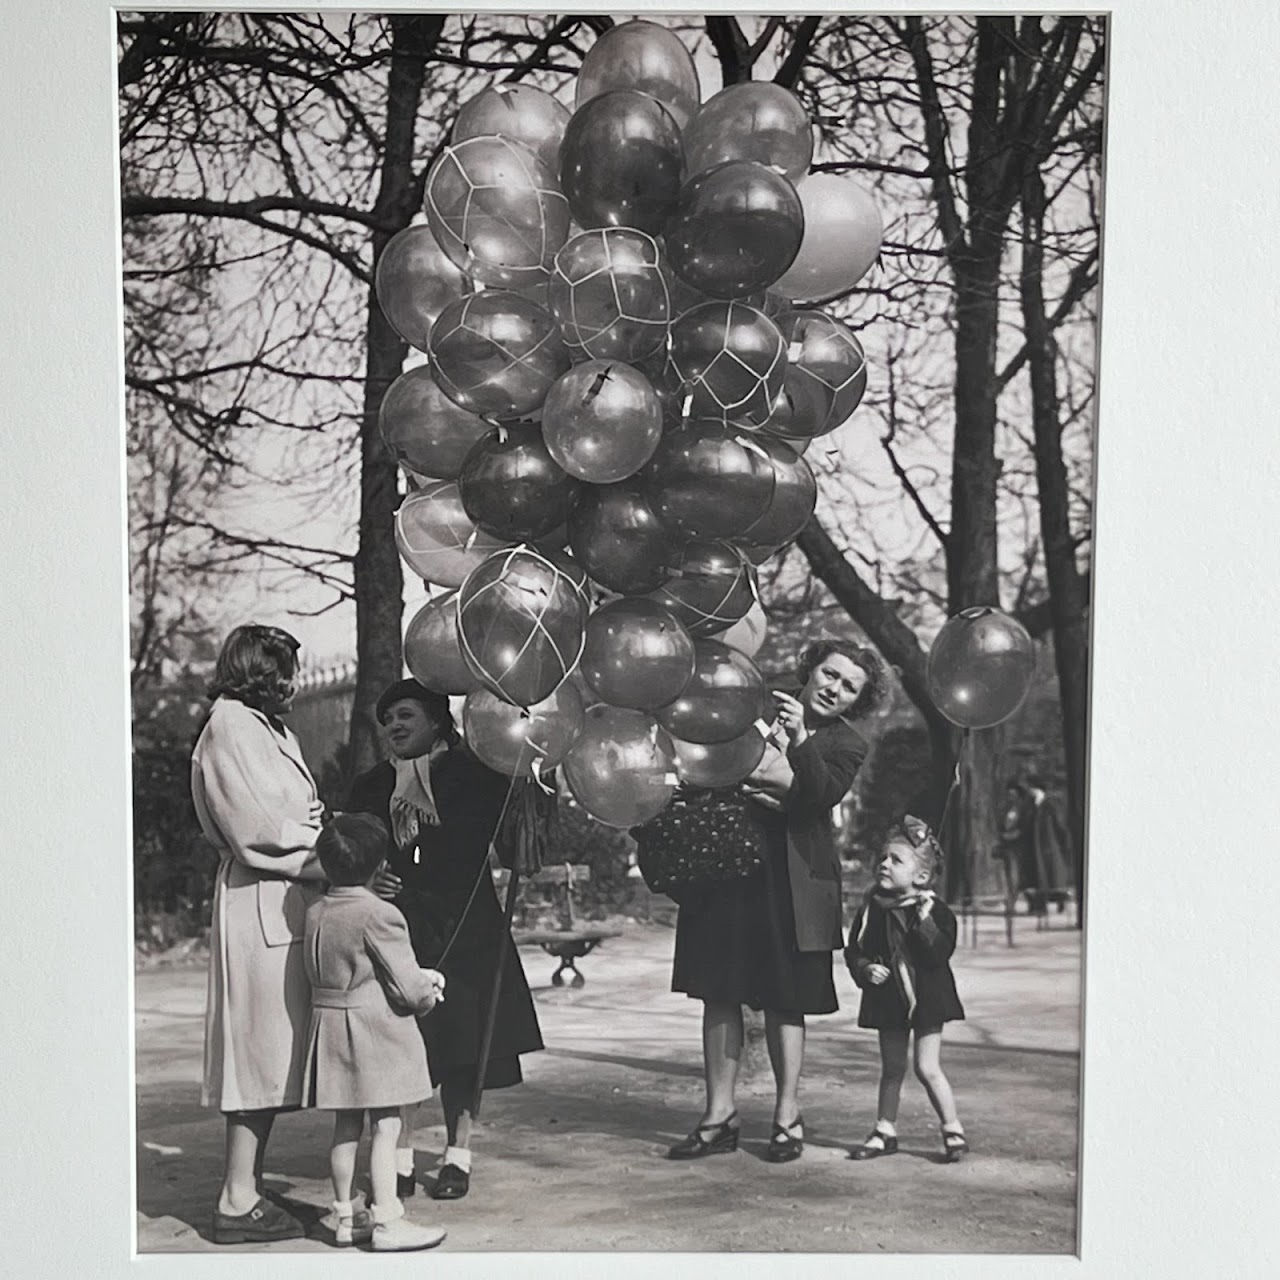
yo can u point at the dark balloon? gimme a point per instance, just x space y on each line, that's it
826 375
415 281
431 650
792 499
618 539
735 230
754 120
709 481
497 353
725 697
719 764
520 625
620 164
518 111
636 654
424 430
512 488
981 666
514 739
711 586
731 361
642 55
437 539
621 769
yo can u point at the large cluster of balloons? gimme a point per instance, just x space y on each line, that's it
625 363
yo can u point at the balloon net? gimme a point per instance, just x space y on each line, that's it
734 386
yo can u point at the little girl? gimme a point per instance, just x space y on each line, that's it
899 954
364 1052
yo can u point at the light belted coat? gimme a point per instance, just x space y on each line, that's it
253 794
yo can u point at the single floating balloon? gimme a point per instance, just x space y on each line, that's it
723 699
414 282
496 353
980 669
826 375
431 649
636 654
735 230
620 164
755 120
520 625
621 769
642 55
842 235
497 211
513 740
424 430
731 361
719 764
618 539
711 585
709 481
602 421
437 539
792 498
512 488
517 111
611 294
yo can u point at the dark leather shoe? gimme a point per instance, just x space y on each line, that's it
263 1223
875 1145
406 1185
451 1183
784 1146
719 1140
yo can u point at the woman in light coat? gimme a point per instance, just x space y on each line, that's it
257 804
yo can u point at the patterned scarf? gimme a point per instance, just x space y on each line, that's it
413 805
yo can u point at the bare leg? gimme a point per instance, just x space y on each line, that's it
721 1053
893 1067
784 1035
247 1134
929 1073
384 1123
347 1128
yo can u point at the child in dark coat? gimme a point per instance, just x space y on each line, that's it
899 954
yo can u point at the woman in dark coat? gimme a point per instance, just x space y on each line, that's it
443 808
766 940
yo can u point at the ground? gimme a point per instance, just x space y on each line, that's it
572 1159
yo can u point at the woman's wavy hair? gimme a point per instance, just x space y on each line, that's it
257 666
872 695
436 705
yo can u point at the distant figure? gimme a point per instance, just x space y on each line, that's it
1034 845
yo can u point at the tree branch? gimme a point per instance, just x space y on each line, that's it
790 70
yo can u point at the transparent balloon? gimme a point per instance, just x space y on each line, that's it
826 375
497 211
496 353
642 55
792 498
437 539
517 740
517 111
981 666
755 120
431 650
424 430
842 235
621 769
512 488
414 282
711 586
636 654
618 539
723 699
719 764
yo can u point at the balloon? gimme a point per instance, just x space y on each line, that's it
620 162
711 586
517 111
497 211
436 538
709 481
602 421
520 624
567 565
748 633
826 375
842 234
719 764
980 668
793 496
424 430
496 353
414 282
642 55
611 294
621 769
736 228
512 739
431 650
511 487
725 697
636 654
730 359
755 120
618 540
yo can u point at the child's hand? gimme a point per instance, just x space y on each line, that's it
436 978
876 974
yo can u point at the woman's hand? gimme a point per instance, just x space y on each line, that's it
876 974
386 884
791 717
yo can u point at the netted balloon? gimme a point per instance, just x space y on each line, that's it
611 294
710 586
826 375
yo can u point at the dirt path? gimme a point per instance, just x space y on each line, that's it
572 1159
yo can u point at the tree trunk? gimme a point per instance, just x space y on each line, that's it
1068 590
378 578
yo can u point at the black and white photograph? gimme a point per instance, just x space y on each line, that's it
656 603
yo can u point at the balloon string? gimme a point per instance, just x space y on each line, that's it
955 785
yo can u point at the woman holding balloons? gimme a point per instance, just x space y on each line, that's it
443 808
766 940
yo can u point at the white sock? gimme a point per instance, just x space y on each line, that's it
886 1127
459 1157
343 1208
954 1127
404 1162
